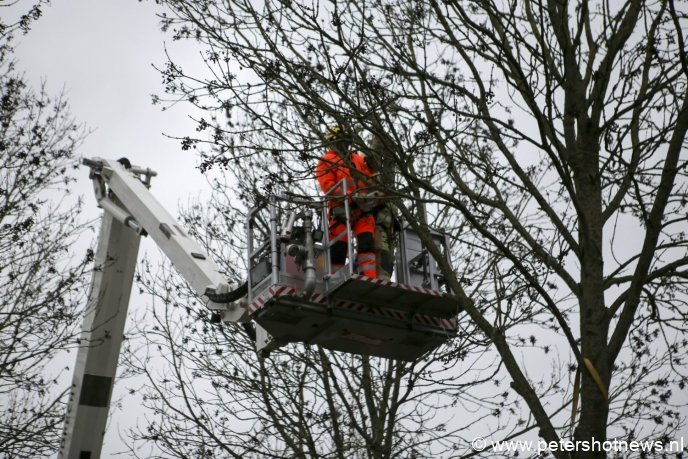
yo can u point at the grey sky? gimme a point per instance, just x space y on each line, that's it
101 53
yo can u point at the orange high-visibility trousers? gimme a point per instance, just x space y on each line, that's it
363 227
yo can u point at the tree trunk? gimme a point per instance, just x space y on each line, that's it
592 426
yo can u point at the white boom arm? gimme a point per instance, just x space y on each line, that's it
130 210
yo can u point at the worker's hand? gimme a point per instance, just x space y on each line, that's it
339 213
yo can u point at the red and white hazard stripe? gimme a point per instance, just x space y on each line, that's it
273 291
277 290
387 283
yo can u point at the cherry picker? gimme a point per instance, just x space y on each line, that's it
291 293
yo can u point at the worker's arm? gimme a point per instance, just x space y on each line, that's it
327 177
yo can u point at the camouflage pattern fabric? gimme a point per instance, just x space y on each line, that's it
384 239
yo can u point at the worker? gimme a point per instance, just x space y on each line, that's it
386 222
336 165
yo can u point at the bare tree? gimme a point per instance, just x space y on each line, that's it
41 280
212 394
549 138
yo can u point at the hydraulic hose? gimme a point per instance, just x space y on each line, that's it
228 297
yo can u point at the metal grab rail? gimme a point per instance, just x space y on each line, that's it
265 228
329 195
273 219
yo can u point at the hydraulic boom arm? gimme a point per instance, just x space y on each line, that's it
130 211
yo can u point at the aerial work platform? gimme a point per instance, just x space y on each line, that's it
292 294
357 318
343 310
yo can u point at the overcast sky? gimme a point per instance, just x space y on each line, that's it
101 52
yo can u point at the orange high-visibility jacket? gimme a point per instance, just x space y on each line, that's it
332 169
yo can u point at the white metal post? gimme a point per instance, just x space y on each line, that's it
101 339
